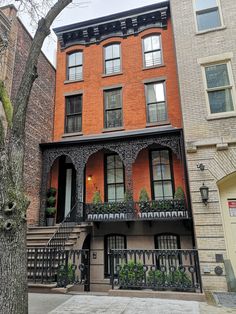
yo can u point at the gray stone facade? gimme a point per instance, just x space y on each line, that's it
209 140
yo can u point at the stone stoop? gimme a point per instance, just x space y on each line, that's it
171 295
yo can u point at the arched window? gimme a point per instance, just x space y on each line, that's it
112 60
112 241
152 53
75 66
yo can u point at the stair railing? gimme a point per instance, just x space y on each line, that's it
61 235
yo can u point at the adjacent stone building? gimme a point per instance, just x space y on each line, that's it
39 123
205 41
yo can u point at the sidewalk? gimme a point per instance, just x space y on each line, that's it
91 304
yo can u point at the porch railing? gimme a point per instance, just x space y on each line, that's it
61 235
62 267
176 270
149 210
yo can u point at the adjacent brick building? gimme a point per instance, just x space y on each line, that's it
205 38
40 112
117 157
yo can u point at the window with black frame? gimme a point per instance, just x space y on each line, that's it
75 66
113 241
115 187
112 59
113 108
73 121
152 51
156 102
165 242
162 179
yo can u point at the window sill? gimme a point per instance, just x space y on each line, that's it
217 116
148 125
71 82
72 134
112 129
154 67
112 74
211 30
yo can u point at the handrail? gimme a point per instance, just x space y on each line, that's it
60 236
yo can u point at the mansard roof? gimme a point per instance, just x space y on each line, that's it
120 24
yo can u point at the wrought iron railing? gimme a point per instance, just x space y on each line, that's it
61 235
148 210
62 267
176 270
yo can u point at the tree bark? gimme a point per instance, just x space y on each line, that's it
13 203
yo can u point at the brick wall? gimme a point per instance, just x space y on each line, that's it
39 121
204 137
131 79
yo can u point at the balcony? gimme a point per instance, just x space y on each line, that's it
129 211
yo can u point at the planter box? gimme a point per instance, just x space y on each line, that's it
50 221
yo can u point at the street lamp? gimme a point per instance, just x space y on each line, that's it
204 190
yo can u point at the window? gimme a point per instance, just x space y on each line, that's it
156 103
114 179
207 14
112 242
167 241
113 108
73 113
219 88
75 66
152 51
112 59
162 181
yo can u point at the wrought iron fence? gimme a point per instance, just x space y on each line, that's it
49 265
148 210
176 270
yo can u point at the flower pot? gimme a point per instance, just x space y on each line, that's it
50 221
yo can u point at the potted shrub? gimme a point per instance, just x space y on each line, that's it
144 203
51 209
131 275
50 215
179 196
97 200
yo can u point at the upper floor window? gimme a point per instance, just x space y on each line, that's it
112 59
115 187
113 108
75 66
208 14
152 51
73 114
156 103
219 87
162 181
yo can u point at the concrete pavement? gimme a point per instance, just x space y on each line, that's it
91 304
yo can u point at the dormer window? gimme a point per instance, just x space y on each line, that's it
152 54
112 59
75 66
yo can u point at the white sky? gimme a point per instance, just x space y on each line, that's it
95 8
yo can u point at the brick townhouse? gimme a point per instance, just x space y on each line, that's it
40 112
205 41
117 160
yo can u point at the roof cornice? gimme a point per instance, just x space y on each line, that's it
121 24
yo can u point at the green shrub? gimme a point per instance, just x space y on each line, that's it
52 192
50 211
128 196
97 199
131 274
62 273
143 196
51 201
179 278
179 193
156 277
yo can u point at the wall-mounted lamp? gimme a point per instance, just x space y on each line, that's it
89 178
204 190
201 167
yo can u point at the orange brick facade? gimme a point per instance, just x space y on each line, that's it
132 79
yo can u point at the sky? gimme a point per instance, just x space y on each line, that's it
93 9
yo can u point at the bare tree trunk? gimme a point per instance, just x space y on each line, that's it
13 203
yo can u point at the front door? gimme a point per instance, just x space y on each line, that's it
66 189
227 188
